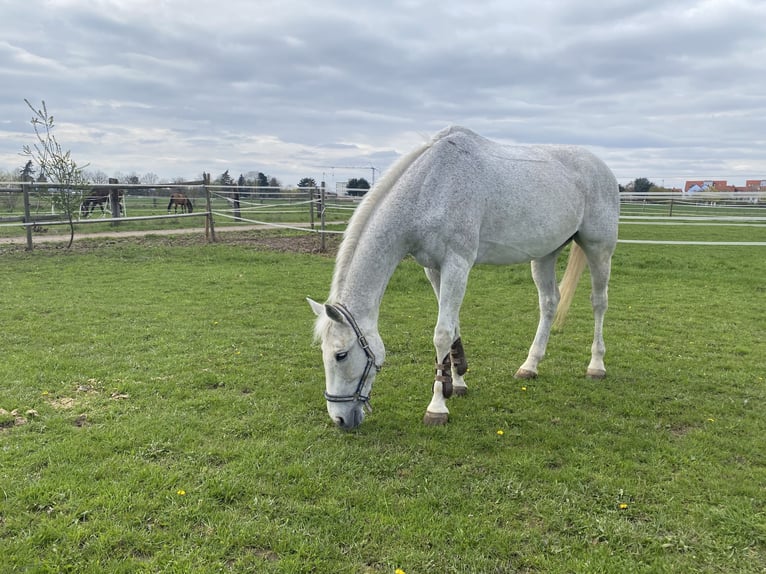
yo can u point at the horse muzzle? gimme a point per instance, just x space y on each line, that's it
348 418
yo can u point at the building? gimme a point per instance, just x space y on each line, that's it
696 186
755 185
706 185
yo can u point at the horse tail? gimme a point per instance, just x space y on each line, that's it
572 274
190 204
170 203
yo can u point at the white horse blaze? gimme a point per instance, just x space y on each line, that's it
461 200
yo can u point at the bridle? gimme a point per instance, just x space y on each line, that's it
362 340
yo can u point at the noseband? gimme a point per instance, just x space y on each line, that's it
362 340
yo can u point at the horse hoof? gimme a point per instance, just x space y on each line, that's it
595 374
525 374
435 419
459 391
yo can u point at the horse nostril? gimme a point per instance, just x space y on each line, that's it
339 421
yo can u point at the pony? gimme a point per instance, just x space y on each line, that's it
178 199
456 201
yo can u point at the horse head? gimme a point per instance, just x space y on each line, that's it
351 359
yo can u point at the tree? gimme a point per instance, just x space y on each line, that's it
28 171
307 182
10 198
225 179
150 178
56 166
96 176
357 187
642 185
262 180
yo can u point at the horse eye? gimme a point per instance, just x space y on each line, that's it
341 356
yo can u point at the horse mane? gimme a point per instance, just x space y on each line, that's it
368 206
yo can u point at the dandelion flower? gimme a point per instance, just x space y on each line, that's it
181 492
500 432
399 571
523 388
623 506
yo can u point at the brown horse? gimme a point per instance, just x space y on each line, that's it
178 199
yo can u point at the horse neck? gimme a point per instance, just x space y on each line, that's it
360 284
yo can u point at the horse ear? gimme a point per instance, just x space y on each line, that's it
318 308
334 314
328 310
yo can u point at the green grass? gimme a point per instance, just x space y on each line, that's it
179 426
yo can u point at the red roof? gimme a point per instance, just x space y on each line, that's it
715 185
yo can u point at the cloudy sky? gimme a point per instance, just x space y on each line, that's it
669 90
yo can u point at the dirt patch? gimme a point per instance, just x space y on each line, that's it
14 418
63 403
259 239
306 243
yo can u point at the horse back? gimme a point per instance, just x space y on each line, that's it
505 204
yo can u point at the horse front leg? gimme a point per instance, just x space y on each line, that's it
458 363
544 275
451 283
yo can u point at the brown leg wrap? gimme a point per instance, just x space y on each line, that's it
444 376
457 356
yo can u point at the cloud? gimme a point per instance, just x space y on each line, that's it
659 89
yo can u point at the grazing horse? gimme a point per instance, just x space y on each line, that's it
178 199
457 201
98 197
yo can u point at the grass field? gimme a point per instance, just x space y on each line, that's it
170 396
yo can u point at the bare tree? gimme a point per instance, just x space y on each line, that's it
149 178
96 176
56 166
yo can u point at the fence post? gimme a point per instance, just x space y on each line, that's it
671 208
237 211
311 192
27 215
114 201
322 247
209 224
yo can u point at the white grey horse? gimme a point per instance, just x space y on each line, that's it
457 201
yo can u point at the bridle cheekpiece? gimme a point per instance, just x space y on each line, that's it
362 340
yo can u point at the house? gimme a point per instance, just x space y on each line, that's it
697 186
707 185
755 185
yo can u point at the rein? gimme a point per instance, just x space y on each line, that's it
362 340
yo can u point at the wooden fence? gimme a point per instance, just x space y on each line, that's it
313 209
301 208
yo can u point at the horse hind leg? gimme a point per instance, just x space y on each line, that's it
599 262
544 275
